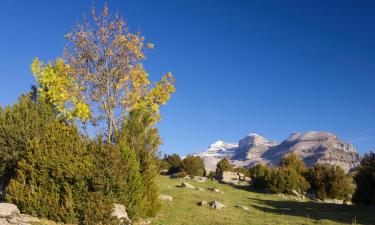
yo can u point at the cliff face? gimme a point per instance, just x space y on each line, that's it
313 147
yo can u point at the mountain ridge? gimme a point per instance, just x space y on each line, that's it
312 146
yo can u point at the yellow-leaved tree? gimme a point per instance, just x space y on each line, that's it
101 77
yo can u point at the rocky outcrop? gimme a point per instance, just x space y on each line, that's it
234 178
10 215
313 147
187 185
119 212
217 205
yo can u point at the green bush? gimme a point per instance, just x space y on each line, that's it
365 180
287 178
140 136
193 165
55 179
175 163
290 176
223 165
329 181
261 176
20 123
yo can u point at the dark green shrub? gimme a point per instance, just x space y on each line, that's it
193 165
290 176
54 180
329 181
261 176
20 123
175 163
365 180
287 180
223 165
140 136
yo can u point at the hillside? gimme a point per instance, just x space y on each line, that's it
263 208
313 147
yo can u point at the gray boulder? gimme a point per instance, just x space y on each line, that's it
187 185
8 210
202 203
165 197
217 205
243 207
119 212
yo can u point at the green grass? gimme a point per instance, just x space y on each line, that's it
264 208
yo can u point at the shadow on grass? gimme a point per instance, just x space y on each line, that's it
349 214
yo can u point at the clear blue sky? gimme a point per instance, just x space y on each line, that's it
269 67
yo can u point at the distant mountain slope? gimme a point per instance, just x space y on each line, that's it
313 147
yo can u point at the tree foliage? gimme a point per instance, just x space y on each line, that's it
101 77
223 165
56 179
365 180
174 163
329 181
19 123
193 165
142 138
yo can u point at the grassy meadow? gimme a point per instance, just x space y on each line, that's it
264 208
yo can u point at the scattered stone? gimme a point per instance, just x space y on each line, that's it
199 189
200 179
243 207
187 185
4 221
165 197
217 205
8 210
202 203
163 172
119 212
234 178
144 222
187 177
215 190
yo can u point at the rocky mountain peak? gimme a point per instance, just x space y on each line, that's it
312 146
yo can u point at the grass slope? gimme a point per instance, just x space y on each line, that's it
264 208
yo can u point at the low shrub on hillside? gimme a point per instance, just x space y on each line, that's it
261 176
286 179
223 165
365 180
20 123
330 182
174 163
55 179
193 165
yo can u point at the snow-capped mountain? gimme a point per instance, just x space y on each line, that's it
313 147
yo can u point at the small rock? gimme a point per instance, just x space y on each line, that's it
199 189
165 197
243 207
187 177
202 203
215 190
4 221
8 210
187 185
217 205
200 179
163 172
119 212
